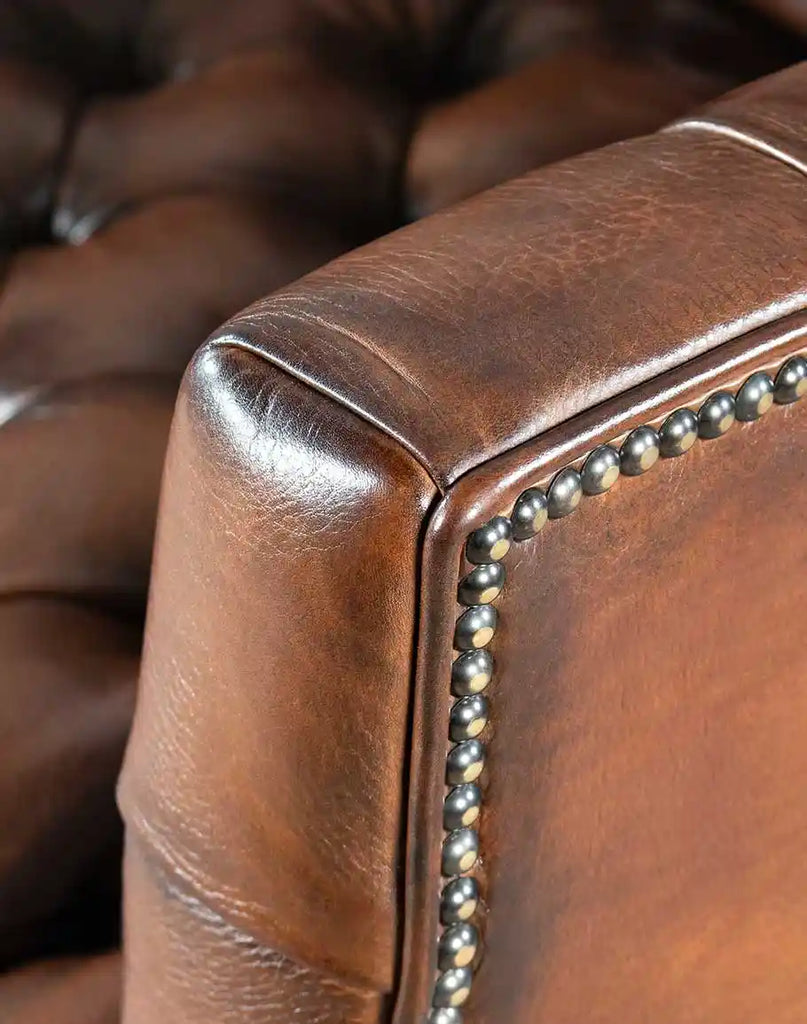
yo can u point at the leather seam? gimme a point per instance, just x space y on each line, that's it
243 344
742 138
175 886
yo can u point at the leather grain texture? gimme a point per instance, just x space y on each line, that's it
301 577
643 832
475 329
161 165
410 379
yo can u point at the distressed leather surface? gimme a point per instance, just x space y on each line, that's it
644 832
368 374
161 166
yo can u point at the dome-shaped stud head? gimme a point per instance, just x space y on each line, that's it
754 398
530 513
475 628
468 718
600 470
564 493
462 806
453 987
471 673
490 542
678 433
459 900
445 1015
639 452
716 416
460 851
458 946
465 762
482 585
791 381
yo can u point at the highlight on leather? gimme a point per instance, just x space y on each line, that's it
163 165
460 949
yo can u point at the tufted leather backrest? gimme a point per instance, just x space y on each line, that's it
113 104
164 164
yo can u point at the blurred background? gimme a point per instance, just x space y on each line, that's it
163 163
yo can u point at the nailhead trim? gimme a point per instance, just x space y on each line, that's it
476 624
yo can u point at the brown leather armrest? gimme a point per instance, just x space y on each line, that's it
274 815
473 330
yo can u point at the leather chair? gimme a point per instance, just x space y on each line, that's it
162 165
473 683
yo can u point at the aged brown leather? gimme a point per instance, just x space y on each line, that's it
162 165
643 839
332 447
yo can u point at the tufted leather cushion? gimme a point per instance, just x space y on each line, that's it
163 165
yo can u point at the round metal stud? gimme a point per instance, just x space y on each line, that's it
754 398
460 850
459 900
490 542
471 673
600 470
791 381
453 988
639 451
482 585
678 433
461 807
530 513
716 416
465 762
445 1015
469 716
564 493
458 947
475 628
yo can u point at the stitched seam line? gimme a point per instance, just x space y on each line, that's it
744 139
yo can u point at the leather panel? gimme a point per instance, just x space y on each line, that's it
643 832
287 551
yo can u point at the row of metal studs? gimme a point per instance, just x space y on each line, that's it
459 944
